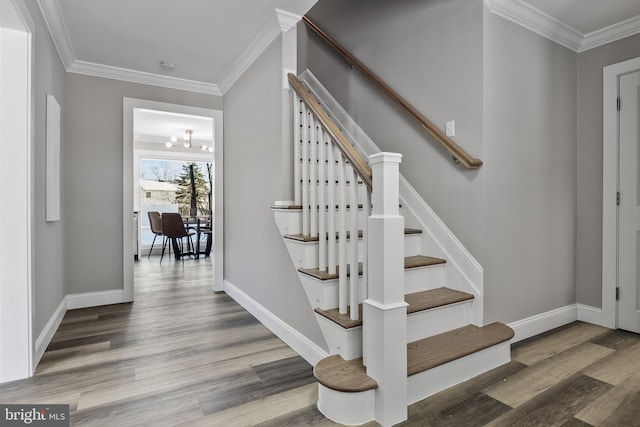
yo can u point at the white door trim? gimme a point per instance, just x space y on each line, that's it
16 165
610 176
129 104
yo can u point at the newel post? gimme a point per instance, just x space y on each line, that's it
385 310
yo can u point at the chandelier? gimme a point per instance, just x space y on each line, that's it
187 142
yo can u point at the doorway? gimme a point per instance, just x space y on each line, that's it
621 196
134 152
16 336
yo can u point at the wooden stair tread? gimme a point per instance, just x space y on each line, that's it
308 238
421 261
348 376
418 301
409 262
288 207
439 349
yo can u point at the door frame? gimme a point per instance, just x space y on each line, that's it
610 180
128 178
16 261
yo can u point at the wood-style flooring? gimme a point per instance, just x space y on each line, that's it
184 355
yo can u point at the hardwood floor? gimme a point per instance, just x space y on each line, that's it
184 355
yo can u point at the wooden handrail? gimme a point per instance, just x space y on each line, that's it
458 153
355 159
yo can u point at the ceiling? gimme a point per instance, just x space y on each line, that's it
212 42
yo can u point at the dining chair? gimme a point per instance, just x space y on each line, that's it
174 231
155 220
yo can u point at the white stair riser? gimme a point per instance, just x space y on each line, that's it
428 383
345 342
423 278
324 294
346 408
289 221
428 323
305 254
423 324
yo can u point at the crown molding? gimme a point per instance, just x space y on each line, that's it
133 76
611 33
55 23
533 19
280 21
57 28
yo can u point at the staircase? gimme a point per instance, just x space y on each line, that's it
402 320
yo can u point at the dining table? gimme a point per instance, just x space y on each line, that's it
201 225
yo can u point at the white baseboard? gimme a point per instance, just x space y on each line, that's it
543 322
294 339
43 340
93 299
590 314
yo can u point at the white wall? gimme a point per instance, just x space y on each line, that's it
256 260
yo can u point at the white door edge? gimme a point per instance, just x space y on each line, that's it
610 174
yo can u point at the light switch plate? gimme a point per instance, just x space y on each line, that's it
450 128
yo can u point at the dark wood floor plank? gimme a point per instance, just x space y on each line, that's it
184 355
557 405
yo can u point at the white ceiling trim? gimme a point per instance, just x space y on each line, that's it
280 21
133 76
531 18
58 30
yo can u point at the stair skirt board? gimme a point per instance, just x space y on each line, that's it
345 342
346 408
435 380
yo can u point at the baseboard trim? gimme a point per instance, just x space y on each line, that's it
294 339
94 299
543 322
590 314
49 330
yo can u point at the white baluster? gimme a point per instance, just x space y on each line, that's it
353 261
313 176
322 214
305 170
343 292
366 206
297 141
331 196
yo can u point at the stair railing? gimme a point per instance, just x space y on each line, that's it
458 153
327 173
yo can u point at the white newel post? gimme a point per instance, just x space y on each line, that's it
385 310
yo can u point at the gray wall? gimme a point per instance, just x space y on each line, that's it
48 252
589 155
513 96
429 51
92 176
256 260
530 172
